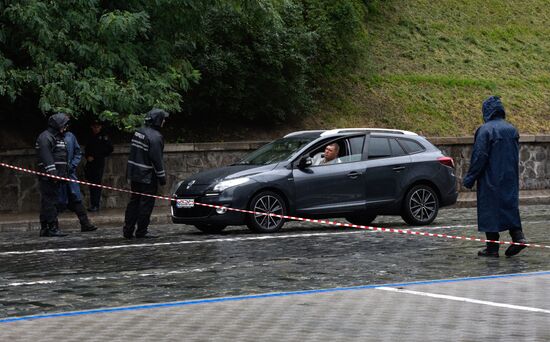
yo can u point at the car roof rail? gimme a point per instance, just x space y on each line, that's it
374 130
303 132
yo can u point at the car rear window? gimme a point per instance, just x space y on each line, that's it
396 149
379 148
411 146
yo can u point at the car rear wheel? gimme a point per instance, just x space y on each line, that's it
266 202
421 206
210 228
361 219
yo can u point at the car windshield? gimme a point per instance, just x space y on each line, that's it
276 151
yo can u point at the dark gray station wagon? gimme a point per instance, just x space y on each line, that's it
377 172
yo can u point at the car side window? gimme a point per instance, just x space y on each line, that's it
355 145
396 149
379 148
411 146
350 150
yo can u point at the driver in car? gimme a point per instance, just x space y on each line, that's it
330 156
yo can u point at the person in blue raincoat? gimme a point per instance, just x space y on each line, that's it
494 166
69 192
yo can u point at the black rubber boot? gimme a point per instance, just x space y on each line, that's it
517 236
85 224
87 227
128 233
43 228
491 250
53 230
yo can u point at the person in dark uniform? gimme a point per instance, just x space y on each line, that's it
495 167
98 148
145 172
51 151
69 192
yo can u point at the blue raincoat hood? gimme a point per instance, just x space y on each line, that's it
493 108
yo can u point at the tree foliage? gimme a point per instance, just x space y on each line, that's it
265 60
111 60
251 59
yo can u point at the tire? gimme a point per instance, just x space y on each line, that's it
362 219
420 206
210 228
266 202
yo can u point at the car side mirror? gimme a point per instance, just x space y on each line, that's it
305 162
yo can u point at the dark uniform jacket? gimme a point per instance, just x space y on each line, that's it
51 148
145 163
99 146
495 167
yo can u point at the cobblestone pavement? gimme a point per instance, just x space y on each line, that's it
100 270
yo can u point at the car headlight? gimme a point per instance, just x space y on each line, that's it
221 186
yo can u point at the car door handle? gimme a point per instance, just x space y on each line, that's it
353 174
398 168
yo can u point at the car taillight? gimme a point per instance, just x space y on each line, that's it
447 161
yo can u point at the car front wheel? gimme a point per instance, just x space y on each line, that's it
421 206
266 202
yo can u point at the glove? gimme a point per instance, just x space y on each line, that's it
162 181
53 173
468 184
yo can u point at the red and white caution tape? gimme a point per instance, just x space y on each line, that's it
333 223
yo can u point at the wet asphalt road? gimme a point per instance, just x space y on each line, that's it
100 269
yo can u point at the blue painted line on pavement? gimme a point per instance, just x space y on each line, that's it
266 295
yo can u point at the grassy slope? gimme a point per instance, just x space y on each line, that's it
429 65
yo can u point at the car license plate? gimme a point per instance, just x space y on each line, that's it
185 203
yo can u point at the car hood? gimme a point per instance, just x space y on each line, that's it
228 172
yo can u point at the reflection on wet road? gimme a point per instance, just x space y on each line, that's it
86 271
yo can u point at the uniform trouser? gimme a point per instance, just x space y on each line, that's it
75 205
49 196
140 207
491 246
94 174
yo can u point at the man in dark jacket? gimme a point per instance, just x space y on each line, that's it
98 148
69 192
145 171
51 151
494 166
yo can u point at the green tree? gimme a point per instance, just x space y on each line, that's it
267 59
108 59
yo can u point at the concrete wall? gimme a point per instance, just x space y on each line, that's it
19 190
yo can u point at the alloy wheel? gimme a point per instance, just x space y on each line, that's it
422 204
264 204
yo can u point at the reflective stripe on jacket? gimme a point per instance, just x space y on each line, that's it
146 152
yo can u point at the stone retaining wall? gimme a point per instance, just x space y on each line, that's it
19 191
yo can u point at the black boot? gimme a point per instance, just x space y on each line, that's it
85 224
491 249
87 227
43 228
128 232
517 236
53 230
